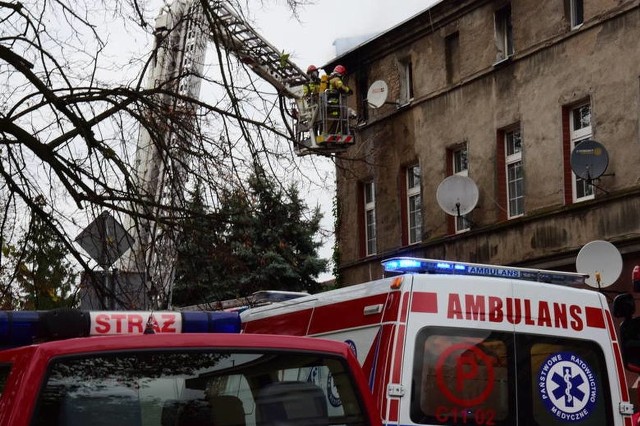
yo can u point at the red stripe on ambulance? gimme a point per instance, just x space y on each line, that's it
425 302
346 314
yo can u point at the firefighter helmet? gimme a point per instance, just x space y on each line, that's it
339 69
311 68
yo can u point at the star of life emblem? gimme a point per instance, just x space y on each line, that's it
567 387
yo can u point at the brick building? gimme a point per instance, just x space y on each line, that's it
501 92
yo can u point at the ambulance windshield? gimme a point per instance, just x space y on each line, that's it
197 387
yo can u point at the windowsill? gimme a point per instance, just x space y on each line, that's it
502 61
404 104
577 27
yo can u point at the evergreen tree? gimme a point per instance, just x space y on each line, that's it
44 275
197 272
259 239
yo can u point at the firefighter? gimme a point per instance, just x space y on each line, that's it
312 87
337 112
336 82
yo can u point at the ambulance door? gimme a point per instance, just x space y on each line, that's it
567 371
457 358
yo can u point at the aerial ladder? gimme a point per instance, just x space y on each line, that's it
317 125
320 124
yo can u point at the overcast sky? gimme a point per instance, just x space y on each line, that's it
311 40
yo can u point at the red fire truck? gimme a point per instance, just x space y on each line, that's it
170 368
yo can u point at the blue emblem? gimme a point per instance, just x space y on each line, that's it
567 387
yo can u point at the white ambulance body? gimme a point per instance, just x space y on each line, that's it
465 344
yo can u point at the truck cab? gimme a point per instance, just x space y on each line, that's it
171 368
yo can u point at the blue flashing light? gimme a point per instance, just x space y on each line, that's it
210 322
407 265
18 328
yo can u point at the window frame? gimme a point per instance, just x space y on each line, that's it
510 160
576 136
452 56
576 13
460 167
369 204
406 81
503 33
414 191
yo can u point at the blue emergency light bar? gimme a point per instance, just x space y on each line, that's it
21 328
411 265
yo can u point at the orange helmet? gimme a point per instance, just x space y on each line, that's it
311 68
339 69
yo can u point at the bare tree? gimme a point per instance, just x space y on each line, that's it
88 136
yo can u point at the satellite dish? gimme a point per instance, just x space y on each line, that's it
377 94
601 261
457 195
589 159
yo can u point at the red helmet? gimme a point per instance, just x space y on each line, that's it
339 69
311 68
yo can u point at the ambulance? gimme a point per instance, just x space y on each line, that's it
452 343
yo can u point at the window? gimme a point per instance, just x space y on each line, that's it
460 167
504 33
487 377
370 218
406 81
362 85
576 13
452 55
515 179
579 131
414 204
194 387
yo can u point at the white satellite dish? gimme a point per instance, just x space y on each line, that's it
457 195
377 94
601 261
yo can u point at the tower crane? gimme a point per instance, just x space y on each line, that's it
317 124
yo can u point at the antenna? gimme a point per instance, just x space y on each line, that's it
457 195
377 94
589 160
601 261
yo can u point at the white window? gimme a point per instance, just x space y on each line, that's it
461 167
515 179
370 217
414 204
504 33
580 131
406 82
576 13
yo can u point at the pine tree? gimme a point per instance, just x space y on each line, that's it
259 239
44 275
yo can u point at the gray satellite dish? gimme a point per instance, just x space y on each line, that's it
589 160
377 94
457 195
601 261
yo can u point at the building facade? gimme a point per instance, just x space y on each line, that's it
500 92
